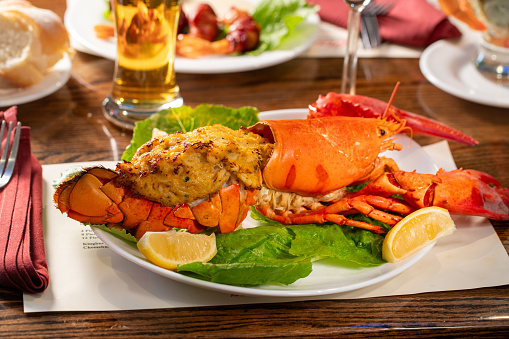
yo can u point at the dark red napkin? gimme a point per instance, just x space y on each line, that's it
409 22
23 265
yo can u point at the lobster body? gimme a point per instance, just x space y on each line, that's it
340 160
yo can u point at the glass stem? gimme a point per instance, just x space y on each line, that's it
350 61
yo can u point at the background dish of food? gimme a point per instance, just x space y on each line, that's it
81 17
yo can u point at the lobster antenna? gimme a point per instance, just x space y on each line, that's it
390 100
395 116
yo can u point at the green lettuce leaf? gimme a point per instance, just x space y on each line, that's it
252 256
119 233
186 119
277 20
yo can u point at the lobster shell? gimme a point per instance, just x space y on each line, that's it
315 156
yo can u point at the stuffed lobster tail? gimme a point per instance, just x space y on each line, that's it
205 178
94 196
335 104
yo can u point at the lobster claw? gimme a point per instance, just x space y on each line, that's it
464 192
334 104
472 192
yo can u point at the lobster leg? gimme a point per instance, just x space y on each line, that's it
362 204
317 218
368 205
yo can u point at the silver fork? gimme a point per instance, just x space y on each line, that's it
370 31
7 163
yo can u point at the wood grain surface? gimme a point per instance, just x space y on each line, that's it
69 126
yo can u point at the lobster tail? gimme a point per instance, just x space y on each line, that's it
95 196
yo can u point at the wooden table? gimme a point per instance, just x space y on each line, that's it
68 126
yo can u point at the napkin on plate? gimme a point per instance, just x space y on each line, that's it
23 265
409 22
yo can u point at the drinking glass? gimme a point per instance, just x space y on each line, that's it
492 18
144 78
350 62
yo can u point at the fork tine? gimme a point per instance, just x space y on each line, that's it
5 151
370 32
375 32
364 33
375 8
11 162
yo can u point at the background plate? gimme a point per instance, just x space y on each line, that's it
57 77
450 67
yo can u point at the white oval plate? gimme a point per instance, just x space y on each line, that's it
449 66
82 16
325 278
57 77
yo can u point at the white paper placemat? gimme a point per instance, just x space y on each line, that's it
85 275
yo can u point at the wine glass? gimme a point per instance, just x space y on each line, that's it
350 61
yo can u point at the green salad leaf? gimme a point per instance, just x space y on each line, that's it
119 233
278 20
185 119
107 11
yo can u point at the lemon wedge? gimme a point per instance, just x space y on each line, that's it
416 231
171 248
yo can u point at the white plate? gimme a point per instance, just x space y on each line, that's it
82 16
450 67
325 278
57 77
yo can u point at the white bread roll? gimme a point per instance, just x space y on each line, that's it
32 40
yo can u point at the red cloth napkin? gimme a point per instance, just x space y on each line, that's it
409 22
23 264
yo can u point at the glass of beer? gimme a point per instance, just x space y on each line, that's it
144 79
